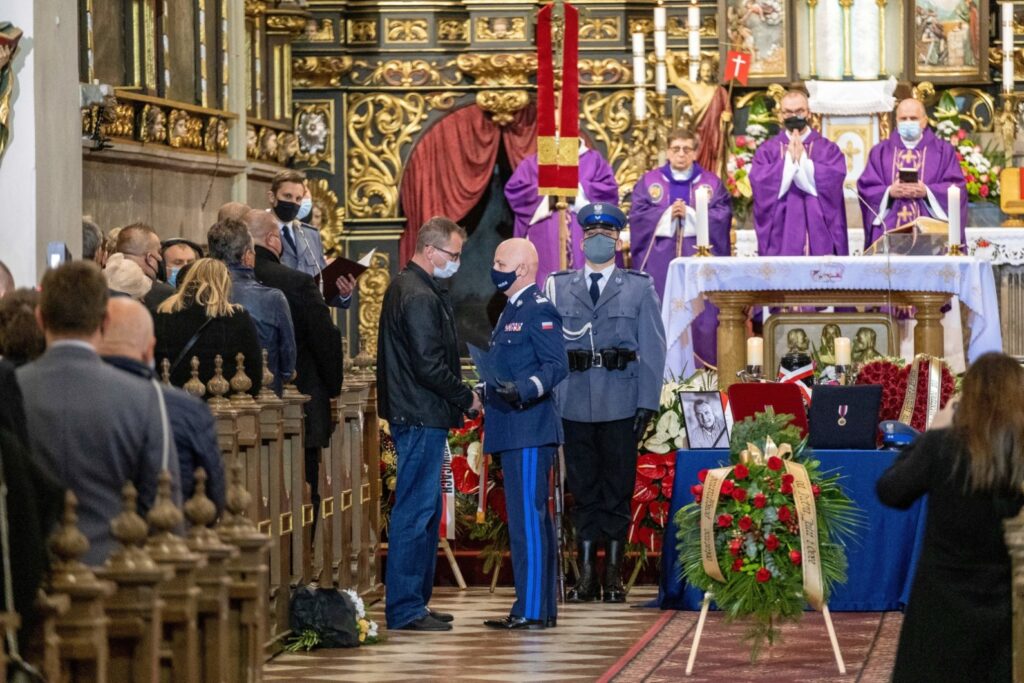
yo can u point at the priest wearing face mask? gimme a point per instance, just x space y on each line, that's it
292 204
909 176
615 341
797 180
524 428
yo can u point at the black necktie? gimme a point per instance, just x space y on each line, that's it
595 290
286 231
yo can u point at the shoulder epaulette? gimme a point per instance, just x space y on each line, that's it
539 297
638 273
568 271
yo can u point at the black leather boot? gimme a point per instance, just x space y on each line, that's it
613 589
586 588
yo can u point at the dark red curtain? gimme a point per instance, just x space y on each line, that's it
451 166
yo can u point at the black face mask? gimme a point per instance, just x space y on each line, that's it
286 211
795 123
161 270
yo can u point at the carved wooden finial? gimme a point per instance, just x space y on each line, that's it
238 499
131 531
218 386
164 516
240 383
194 386
68 543
267 390
165 371
199 509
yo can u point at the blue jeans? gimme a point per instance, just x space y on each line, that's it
415 518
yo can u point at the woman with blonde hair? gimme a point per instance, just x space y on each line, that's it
200 320
957 624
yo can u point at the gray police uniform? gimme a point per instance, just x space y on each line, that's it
303 250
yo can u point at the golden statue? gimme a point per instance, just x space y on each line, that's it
9 37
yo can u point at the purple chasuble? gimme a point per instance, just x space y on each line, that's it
937 167
799 222
598 181
652 196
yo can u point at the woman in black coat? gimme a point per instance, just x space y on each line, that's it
202 305
957 625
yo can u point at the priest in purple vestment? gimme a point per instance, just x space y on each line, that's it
912 150
536 220
797 181
662 226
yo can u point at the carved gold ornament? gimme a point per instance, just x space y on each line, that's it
600 29
453 30
604 72
153 124
320 72
494 29
405 74
294 24
610 118
407 31
502 104
332 216
372 285
254 8
319 30
184 130
378 127
216 138
645 26
362 31
314 127
500 69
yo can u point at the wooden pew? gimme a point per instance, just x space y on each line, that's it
300 567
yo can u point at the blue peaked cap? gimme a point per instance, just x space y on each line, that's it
601 215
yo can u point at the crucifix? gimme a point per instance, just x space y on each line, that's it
850 151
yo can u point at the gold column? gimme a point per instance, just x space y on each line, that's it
847 52
812 30
881 36
732 334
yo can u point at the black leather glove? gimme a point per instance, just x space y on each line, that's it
508 393
640 421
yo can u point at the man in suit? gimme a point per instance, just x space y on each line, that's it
140 243
94 426
524 429
231 242
611 320
302 248
317 340
421 394
127 344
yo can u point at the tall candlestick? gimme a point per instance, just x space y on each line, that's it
844 351
660 44
702 216
638 44
659 17
640 103
660 78
693 44
639 71
953 210
692 16
1007 35
755 351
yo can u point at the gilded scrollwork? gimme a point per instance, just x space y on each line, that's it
314 126
407 31
499 69
320 72
609 118
294 24
453 30
645 26
379 126
332 216
604 72
402 73
372 285
502 104
493 29
362 31
600 29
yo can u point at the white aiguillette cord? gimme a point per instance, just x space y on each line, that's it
165 425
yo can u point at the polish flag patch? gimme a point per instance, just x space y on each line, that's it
547 325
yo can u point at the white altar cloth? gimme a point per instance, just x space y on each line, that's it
968 278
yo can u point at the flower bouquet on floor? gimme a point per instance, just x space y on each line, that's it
764 535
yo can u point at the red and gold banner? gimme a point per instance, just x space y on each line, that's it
557 126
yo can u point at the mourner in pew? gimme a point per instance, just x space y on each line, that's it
230 242
128 344
93 426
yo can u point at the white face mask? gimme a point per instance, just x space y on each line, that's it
305 208
450 268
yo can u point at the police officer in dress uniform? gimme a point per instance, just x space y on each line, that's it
615 342
523 428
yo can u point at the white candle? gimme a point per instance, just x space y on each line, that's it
692 16
638 44
694 53
1007 35
660 78
640 104
660 44
1008 74
755 351
702 217
639 71
843 351
953 211
659 17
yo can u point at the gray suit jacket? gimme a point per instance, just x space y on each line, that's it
627 316
97 427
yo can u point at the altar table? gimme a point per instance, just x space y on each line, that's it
734 284
882 557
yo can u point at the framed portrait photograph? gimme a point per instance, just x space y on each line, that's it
763 28
704 415
871 336
947 40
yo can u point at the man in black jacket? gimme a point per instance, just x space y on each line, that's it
421 394
140 243
317 340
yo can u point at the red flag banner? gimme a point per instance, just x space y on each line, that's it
737 66
557 126
569 122
547 153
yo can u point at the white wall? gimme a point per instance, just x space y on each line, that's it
41 169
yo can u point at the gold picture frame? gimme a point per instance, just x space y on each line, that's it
883 337
944 37
750 21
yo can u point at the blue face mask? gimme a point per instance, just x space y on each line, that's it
305 208
172 277
502 279
909 130
450 268
599 249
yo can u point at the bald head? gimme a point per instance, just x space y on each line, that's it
129 330
264 228
794 111
517 255
234 210
909 112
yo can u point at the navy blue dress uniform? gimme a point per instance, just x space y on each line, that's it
528 353
615 343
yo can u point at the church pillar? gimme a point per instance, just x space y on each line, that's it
41 167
